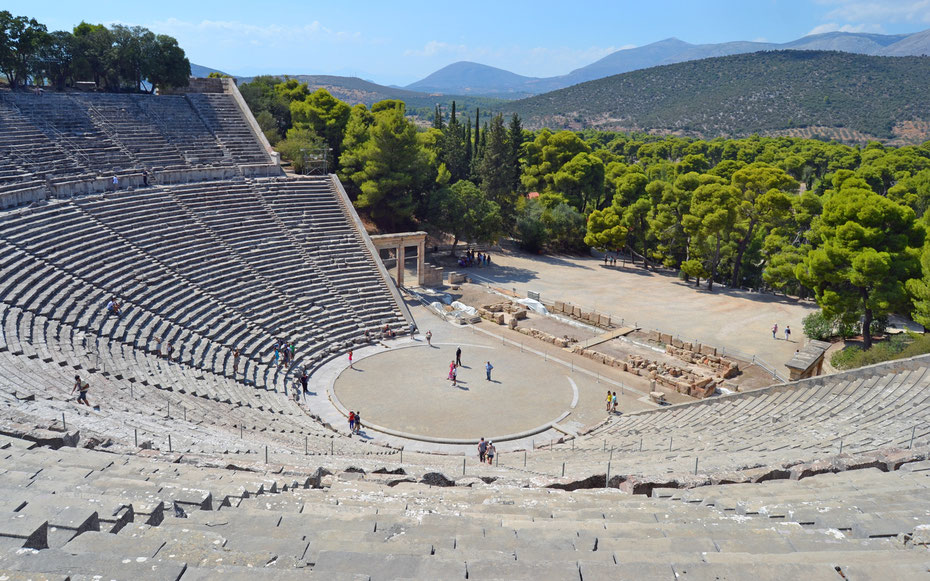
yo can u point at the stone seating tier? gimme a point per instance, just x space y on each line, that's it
116 514
68 138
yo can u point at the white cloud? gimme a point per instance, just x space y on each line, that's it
834 27
434 48
242 31
878 12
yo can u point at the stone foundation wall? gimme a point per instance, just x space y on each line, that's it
543 336
575 312
505 313
677 379
721 367
23 197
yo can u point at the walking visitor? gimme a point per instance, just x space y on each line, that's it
82 388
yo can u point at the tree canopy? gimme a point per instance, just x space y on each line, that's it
118 58
756 212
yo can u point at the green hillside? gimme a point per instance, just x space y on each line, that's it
833 95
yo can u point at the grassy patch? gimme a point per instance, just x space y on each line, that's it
897 347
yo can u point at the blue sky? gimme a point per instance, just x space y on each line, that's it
400 42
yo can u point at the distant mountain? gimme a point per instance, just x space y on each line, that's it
202 71
915 44
831 95
473 78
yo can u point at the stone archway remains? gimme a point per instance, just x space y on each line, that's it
399 242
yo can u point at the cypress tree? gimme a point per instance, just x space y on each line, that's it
515 139
477 131
492 169
437 117
453 150
468 151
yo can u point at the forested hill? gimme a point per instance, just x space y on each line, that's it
353 91
832 95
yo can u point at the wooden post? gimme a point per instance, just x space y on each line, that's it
64 424
563 469
696 465
136 436
607 478
169 443
913 431
463 466
305 445
266 453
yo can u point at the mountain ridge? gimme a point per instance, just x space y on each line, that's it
844 96
663 52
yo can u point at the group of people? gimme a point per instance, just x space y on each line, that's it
610 260
283 352
169 349
457 362
486 451
355 422
612 402
787 332
472 258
